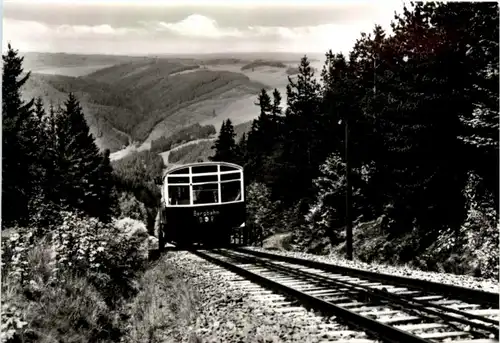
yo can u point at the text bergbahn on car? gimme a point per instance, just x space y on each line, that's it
201 203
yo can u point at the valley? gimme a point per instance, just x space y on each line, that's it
129 101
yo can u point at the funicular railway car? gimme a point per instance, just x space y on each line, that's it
201 203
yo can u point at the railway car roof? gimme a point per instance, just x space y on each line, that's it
175 167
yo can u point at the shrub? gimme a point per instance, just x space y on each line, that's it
270 217
43 303
261 211
325 221
130 207
108 257
473 248
69 285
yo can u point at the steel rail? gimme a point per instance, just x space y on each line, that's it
373 327
405 302
460 293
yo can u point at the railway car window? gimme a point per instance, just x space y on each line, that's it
230 191
231 176
205 178
181 171
204 169
227 168
178 179
206 194
178 195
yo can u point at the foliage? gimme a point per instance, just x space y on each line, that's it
199 151
473 248
131 207
241 129
164 286
17 119
266 216
71 282
225 147
51 161
82 177
261 211
135 176
326 216
190 133
106 255
417 110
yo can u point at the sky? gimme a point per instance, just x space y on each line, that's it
188 26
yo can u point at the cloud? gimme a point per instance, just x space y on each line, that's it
318 38
199 26
194 32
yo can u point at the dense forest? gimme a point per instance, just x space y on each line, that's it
190 133
263 63
199 151
134 177
415 115
51 163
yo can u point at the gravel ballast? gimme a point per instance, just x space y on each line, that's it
230 309
446 278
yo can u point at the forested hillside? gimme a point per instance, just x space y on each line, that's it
53 63
124 102
263 63
203 150
420 108
134 178
187 134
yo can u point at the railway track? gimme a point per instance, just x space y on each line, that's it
395 310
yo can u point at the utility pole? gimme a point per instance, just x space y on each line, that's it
348 196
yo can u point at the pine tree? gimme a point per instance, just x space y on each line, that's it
78 159
242 149
225 146
472 29
301 146
260 138
17 182
276 115
106 192
37 139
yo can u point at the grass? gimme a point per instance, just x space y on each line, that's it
279 241
164 307
69 310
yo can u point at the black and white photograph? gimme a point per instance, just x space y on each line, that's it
250 171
